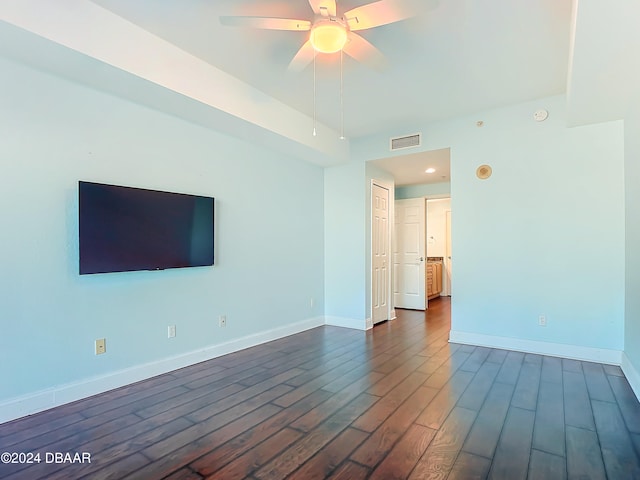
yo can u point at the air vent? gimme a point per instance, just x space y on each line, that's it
407 141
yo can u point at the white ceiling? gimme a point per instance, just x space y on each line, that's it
455 57
410 169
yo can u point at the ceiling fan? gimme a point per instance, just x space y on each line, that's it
330 33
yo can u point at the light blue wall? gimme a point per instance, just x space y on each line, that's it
526 241
269 238
543 235
632 211
424 190
345 244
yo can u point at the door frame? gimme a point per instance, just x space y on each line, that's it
391 312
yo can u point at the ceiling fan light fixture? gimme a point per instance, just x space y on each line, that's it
328 36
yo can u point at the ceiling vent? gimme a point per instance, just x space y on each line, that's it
407 141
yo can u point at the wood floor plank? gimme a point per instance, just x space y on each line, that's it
115 449
373 418
618 452
577 405
178 456
584 458
227 403
204 427
438 460
473 397
395 377
614 370
360 375
569 365
497 356
329 457
446 371
511 459
75 441
184 474
380 443
16 432
470 467
597 382
551 370
115 470
315 440
548 430
75 433
399 463
545 466
324 367
317 415
349 471
438 410
225 453
242 466
313 385
510 370
485 433
397 401
476 359
526 392
627 401
434 362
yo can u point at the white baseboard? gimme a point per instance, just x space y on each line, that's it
633 376
590 354
36 402
345 322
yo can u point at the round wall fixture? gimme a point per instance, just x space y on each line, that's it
540 115
483 172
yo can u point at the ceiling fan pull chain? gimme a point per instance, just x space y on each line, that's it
341 95
314 93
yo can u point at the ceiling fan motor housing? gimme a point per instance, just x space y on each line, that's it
328 35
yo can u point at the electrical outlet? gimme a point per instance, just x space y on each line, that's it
171 331
101 346
222 321
311 302
542 321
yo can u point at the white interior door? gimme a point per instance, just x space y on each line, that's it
409 254
380 254
447 258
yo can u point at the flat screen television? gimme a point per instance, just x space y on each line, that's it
124 229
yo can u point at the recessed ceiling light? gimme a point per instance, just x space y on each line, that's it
430 170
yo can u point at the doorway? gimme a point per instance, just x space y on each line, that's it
419 175
439 246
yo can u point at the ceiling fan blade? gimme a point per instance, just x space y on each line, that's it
326 8
361 50
303 58
378 13
267 23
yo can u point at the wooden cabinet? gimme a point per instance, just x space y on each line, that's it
433 282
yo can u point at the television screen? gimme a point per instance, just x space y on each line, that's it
124 229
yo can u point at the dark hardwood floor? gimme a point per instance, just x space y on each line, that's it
393 403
